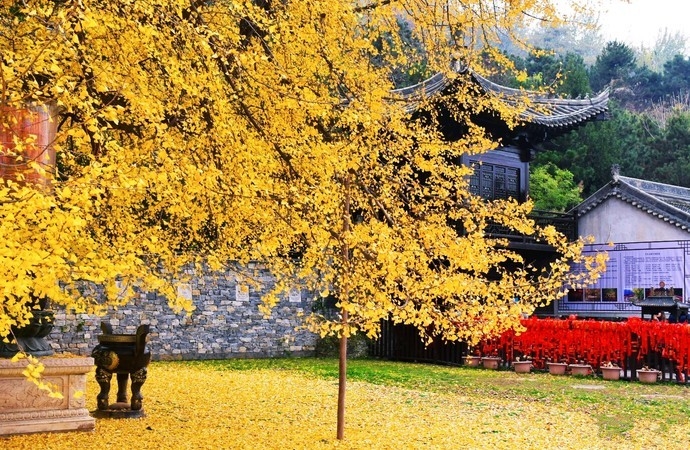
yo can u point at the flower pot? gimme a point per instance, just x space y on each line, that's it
580 369
522 366
611 373
490 362
473 361
557 368
647 376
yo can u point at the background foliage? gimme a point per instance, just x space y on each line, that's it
647 129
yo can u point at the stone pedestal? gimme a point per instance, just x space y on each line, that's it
26 409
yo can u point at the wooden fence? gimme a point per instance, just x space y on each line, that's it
402 343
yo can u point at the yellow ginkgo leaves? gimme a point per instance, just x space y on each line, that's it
34 372
192 134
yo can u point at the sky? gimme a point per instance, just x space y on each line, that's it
640 21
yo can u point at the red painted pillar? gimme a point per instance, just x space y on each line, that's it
27 134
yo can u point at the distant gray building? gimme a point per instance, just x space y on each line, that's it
645 228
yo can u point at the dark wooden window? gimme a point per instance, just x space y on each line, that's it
495 181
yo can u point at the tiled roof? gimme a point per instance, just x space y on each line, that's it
549 111
664 201
541 109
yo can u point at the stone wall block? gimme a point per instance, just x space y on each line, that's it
220 327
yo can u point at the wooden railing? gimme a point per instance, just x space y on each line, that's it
563 222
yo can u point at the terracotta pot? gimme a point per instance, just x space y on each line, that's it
490 362
647 376
580 369
611 373
473 361
522 366
557 368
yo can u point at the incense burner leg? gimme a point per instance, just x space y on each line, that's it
122 381
103 378
138 380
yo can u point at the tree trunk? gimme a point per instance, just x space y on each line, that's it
342 369
342 382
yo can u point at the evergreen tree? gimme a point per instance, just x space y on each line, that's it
669 157
575 76
617 62
564 74
590 151
676 78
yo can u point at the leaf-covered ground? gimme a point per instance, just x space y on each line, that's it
291 405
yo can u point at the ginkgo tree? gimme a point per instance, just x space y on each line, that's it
192 133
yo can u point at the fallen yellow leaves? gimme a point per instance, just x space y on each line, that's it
203 408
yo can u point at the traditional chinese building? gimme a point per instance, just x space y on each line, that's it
499 173
504 172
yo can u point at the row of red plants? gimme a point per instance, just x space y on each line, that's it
593 342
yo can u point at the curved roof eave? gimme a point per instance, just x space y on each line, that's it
540 109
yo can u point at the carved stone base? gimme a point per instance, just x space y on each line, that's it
26 409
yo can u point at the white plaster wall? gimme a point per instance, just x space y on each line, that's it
618 221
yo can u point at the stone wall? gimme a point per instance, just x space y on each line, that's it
226 323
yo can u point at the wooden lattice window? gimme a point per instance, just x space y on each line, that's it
495 181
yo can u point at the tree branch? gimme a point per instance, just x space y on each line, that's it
372 6
389 219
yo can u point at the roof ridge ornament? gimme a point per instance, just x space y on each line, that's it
615 172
